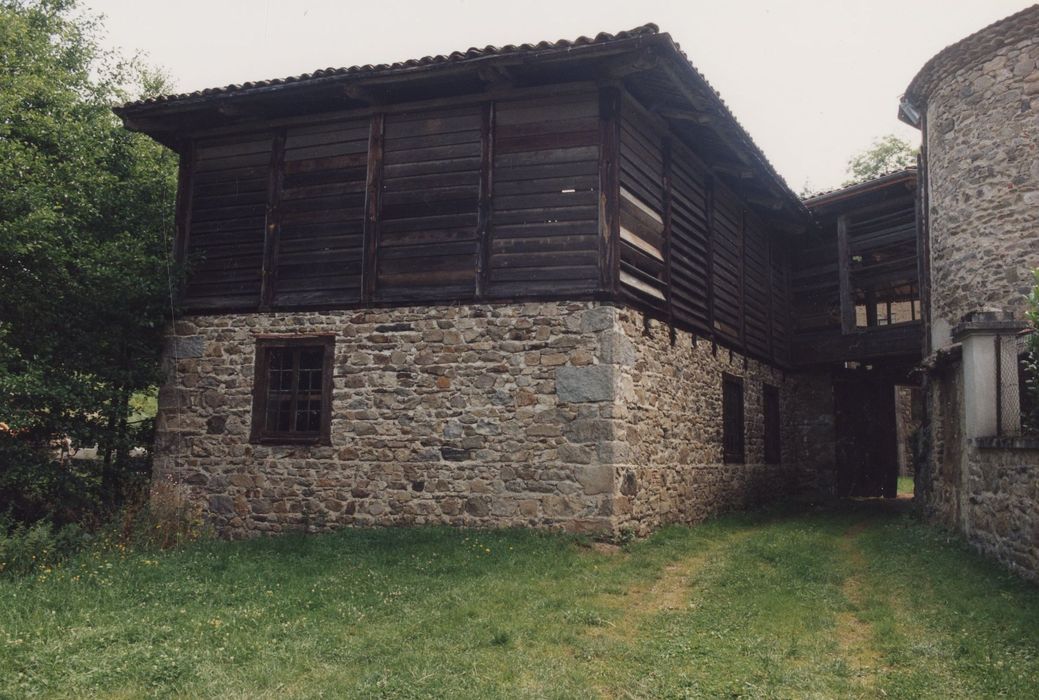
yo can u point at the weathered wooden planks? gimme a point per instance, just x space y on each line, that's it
224 248
542 232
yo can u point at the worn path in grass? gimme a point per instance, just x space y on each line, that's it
857 600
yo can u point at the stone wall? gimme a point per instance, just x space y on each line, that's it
1002 513
670 466
982 132
477 415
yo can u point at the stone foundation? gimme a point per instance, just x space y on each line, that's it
558 415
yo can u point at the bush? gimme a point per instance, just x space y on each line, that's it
161 517
28 549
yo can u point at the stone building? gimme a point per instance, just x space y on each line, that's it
977 106
532 285
558 285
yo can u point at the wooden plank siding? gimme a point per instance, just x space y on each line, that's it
579 194
545 217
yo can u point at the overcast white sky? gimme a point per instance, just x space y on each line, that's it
813 81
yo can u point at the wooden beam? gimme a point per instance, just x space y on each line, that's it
688 115
844 275
372 208
484 206
626 65
770 203
182 216
740 171
668 291
272 221
496 77
609 189
361 94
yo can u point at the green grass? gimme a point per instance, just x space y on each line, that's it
861 602
905 486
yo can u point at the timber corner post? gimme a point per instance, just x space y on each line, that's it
609 190
372 207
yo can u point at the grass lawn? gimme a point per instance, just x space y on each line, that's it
905 486
860 602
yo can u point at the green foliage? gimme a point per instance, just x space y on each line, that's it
887 154
85 216
1030 417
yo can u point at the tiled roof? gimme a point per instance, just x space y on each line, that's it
476 54
368 69
887 178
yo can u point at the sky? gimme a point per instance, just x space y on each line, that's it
813 81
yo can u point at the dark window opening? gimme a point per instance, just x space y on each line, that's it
292 396
770 408
732 419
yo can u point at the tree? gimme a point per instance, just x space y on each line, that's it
887 154
85 219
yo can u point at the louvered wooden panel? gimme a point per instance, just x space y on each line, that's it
430 192
689 244
727 242
643 265
756 286
224 252
543 231
321 214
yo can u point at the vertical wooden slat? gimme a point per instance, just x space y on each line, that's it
668 291
609 190
771 299
844 275
182 216
741 259
272 221
484 208
372 195
709 184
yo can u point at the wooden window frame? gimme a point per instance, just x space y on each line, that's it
772 438
264 345
733 453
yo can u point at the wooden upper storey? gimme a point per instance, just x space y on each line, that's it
605 169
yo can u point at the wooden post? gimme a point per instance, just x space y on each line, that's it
742 258
272 226
373 189
484 211
668 292
609 190
844 275
184 202
709 184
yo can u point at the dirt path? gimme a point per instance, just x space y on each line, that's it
669 591
855 634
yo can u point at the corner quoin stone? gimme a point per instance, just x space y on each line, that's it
586 384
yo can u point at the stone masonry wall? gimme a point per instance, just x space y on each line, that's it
670 467
1002 518
446 414
479 415
983 169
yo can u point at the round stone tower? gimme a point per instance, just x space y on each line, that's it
977 103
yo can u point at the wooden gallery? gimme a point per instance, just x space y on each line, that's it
549 285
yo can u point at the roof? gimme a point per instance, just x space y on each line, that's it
981 45
157 115
398 67
895 177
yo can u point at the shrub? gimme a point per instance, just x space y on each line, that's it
28 549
